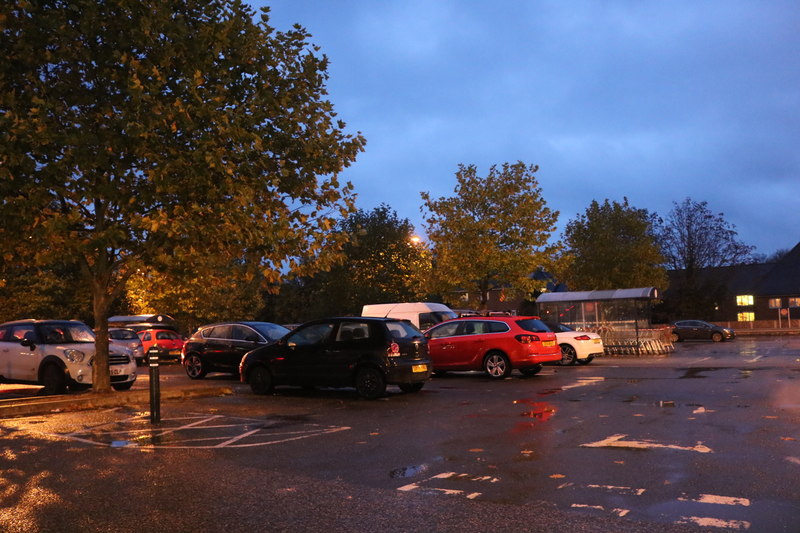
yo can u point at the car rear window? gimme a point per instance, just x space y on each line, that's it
533 324
123 334
400 329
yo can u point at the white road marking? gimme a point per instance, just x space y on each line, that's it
582 382
715 522
720 500
615 441
450 492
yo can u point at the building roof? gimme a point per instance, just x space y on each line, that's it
783 277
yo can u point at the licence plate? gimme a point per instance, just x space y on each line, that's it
596 341
419 368
116 371
174 352
548 343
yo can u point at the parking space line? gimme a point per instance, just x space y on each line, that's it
615 441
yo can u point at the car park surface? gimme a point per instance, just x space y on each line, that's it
702 440
220 347
362 352
497 345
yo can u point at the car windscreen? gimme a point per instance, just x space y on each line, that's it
123 334
533 324
427 320
271 332
401 329
66 332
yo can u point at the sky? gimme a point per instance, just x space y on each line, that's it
652 101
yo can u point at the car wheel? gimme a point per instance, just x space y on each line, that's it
675 337
123 386
260 380
440 373
497 365
370 383
54 380
716 336
411 387
531 370
585 361
195 368
568 355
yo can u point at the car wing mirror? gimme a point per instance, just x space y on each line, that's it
28 343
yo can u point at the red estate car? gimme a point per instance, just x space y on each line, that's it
169 341
496 345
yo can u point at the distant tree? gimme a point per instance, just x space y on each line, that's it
54 291
215 297
612 246
694 239
168 135
380 263
493 232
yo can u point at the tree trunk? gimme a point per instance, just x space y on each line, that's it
101 378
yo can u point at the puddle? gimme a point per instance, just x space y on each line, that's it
694 373
408 471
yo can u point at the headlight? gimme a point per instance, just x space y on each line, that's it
74 356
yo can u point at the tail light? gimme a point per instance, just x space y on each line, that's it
527 339
583 338
393 350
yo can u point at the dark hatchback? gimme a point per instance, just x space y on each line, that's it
362 352
220 347
699 330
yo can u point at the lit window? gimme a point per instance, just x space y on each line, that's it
774 303
794 302
746 317
746 299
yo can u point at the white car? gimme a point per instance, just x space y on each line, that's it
576 346
58 354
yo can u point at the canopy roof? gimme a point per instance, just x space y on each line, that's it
644 293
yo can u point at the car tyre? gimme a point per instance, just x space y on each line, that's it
195 368
411 387
716 336
675 337
585 361
123 386
531 370
54 380
260 380
568 355
370 383
497 365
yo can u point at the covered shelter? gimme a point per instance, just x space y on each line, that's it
623 317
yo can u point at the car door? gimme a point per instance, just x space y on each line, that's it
23 362
243 339
305 349
217 347
442 346
9 346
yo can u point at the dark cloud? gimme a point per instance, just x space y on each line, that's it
655 101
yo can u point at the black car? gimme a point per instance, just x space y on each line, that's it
697 329
220 347
362 352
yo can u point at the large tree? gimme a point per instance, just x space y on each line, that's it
495 231
612 246
141 134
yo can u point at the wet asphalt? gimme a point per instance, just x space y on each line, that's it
702 440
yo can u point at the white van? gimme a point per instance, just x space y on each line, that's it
422 314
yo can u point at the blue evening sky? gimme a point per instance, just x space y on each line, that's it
650 100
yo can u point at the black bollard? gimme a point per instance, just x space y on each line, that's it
155 390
